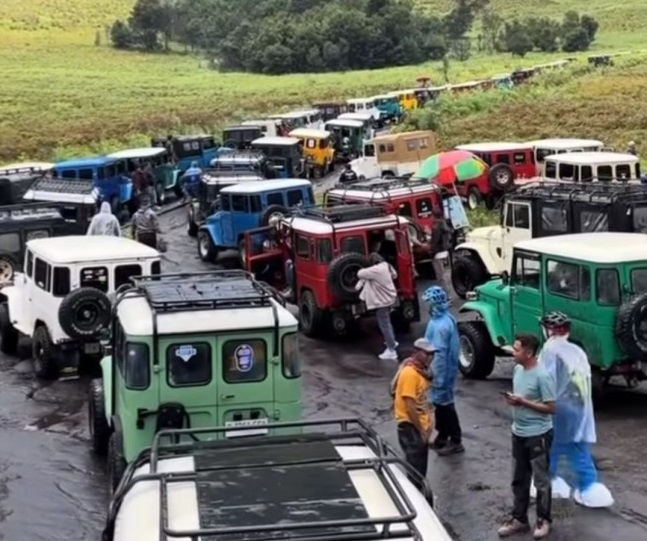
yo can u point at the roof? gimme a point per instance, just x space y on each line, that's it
380 193
275 141
241 127
93 161
81 249
63 191
593 158
494 146
318 227
565 143
263 122
359 100
134 153
229 177
267 185
305 132
356 116
382 97
594 247
238 156
401 92
402 135
345 123
25 167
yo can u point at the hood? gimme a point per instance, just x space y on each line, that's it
488 233
105 208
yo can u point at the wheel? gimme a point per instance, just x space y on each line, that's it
273 214
311 317
192 229
467 273
99 428
206 249
474 198
85 313
116 461
342 275
476 350
8 334
8 266
501 177
160 193
42 349
631 327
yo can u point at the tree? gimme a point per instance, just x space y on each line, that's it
590 25
516 39
149 19
576 40
544 33
121 35
491 26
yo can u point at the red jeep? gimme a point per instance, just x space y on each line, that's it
314 255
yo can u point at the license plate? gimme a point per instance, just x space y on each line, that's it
256 428
91 348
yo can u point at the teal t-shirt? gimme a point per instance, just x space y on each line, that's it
534 384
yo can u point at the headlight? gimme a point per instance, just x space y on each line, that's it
267 245
471 296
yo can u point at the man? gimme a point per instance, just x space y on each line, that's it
105 223
414 417
632 149
139 181
574 419
442 332
191 180
441 240
145 223
533 405
150 182
347 175
377 290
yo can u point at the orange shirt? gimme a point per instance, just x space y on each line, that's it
412 384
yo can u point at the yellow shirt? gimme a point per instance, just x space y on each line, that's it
412 384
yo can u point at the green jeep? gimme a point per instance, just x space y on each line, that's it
191 351
598 279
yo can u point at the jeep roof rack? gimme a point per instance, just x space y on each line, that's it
341 213
383 184
249 465
595 191
45 184
29 211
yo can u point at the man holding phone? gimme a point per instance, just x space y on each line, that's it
533 405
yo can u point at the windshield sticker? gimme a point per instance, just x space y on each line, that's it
244 356
186 353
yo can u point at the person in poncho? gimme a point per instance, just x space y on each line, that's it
105 223
574 422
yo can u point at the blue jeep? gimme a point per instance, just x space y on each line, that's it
107 174
186 149
246 206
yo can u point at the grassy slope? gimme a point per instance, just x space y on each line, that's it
62 95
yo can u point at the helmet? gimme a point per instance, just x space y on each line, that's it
436 296
555 319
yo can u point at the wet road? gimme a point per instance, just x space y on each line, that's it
52 488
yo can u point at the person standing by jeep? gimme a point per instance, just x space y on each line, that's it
347 175
441 240
191 180
377 290
146 224
139 182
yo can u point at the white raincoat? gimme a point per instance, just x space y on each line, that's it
105 223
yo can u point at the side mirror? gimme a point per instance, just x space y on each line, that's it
505 277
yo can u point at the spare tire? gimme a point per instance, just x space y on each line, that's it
8 266
342 275
271 212
84 313
501 177
631 327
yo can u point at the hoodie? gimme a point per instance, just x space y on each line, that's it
442 332
105 223
377 286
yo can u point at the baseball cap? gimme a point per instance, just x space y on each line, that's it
424 345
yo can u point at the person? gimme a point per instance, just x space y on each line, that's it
104 223
533 404
149 175
442 332
168 144
191 180
348 175
441 241
632 148
574 418
377 290
139 181
413 414
146 224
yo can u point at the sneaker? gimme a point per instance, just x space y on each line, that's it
397 344
513 527
451 449
542 529
438 444
388 355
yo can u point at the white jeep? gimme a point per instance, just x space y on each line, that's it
61 299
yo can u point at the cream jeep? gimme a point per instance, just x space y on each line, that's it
61 299
591 167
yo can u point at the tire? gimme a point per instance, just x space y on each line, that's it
501 177
342 275
474 198
116 461
192 229
45 366
99 428
8 267
311 317
8 334
477 356
85 313
160 193
207 251
633 339
271 214
467 273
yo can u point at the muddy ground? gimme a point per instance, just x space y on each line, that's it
52 488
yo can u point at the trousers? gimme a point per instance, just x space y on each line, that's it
531 459
447 423
415 450
383 316
580 461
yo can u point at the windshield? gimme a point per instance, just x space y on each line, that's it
640 219
639 281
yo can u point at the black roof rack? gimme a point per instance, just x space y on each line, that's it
29 211
341 213
382 185
252 154
251 467
598 191
45 184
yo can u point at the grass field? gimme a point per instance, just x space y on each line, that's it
61 95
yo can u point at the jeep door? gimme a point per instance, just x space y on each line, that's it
517 223
525 294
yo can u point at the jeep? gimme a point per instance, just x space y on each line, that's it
332 109
550 147
252 162
193 351
349 137
241 137
17 178
61 302
584 167
541 210
598 279
285 153
313 257
249 205
186 149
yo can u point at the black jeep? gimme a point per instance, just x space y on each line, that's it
252 162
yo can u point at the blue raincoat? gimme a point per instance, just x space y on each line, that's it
442 332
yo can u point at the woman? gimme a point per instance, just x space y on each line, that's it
105 223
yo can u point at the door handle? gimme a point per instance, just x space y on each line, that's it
226 396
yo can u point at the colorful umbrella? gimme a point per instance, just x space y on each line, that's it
452 166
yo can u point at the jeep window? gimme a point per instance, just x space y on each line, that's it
569 280
526 271
123 273
519 158
41 274
68 173
550 169
156 268
295 197
423 143
311 143
111 171
323 144
29 263
639 281
239 203
502 158
593 220
303 247
542 153
605 173
96 277
369 151
86 174
208 143
36 234
136 366
324 248
637 166
623 171
275 198
566 172
412 145
10 242
355 245
424 207
225 202
554 219
640 219
61 279
586 173
518 216
244 361
255 203
291 364
404 209
188 364
607 284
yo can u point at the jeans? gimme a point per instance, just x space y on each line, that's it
447 423
531 459
580 462
383 316
439 270
415 450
